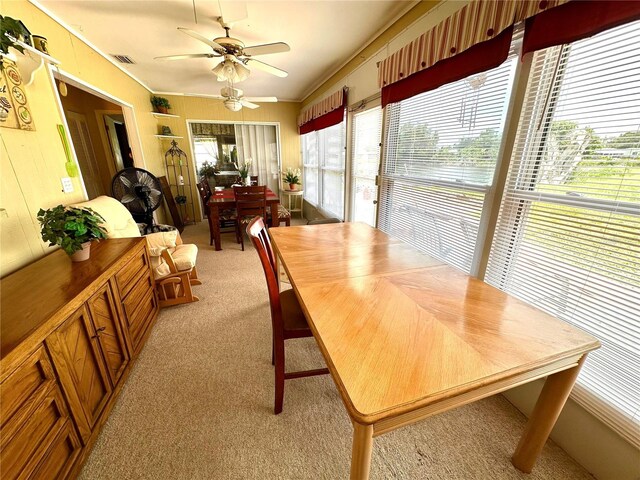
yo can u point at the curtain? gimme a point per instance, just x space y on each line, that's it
258 144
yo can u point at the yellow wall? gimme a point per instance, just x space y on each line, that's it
32 163
199 108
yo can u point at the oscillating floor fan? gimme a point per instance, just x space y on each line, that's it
140 192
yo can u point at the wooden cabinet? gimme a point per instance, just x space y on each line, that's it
76 354
35 420
69 333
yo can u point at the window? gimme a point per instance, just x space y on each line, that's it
323 159
367 129
441 152
568 234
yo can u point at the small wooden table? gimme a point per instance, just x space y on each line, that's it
292 195
406 336
223 199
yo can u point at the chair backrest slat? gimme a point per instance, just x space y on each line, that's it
259 236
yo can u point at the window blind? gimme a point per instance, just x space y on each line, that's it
323 160
568 233
367 131
439 159
309 143
332 145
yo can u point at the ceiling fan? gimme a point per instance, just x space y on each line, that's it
237 57
234 100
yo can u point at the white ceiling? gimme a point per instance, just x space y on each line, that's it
322 35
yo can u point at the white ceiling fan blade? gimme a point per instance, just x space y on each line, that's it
216 46
246 103
266 49
266 68
261 99
186 55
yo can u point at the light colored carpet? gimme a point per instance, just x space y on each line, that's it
199 403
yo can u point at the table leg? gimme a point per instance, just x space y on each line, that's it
554 394
361 451
275 220
214 225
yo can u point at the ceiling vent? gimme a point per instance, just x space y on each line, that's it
123 59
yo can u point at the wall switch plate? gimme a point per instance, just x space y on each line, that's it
67 186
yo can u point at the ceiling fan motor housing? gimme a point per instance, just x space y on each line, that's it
231 92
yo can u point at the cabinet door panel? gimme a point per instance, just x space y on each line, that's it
105 320
22 452
60 457
76 356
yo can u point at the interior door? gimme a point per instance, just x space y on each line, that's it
112 134
81 139
365 161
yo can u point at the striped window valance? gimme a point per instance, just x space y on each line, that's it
326 105
476 22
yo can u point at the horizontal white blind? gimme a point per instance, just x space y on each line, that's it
309 143
332 160
440 155
568 233
367 130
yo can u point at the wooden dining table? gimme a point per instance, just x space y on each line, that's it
406 336
224 200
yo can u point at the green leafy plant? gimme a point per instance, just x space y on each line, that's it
292 176
243 168
160 102
12 27
207 170
70 227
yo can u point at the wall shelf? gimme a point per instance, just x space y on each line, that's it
167 136
30 61
164 115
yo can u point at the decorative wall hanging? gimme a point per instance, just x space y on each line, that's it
14 108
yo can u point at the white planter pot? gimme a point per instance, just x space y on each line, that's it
82 255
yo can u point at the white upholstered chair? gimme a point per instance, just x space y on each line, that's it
173 262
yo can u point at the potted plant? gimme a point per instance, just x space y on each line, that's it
14 29
207 170
160 104
72 228
292 177
243 170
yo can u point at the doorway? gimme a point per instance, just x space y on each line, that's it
99 138
101 129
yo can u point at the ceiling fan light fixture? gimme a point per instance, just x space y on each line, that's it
230 71
232 104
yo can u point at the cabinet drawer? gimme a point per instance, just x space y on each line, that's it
22 452
134 269
138 292
26 386
139 319
60 456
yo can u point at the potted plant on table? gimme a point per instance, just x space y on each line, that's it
243 170
72 228
208 171
292 177
160 104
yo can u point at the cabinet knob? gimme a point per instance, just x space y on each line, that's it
98 332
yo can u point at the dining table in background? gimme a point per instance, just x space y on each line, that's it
224 200
406 336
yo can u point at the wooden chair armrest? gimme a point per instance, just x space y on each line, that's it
169 259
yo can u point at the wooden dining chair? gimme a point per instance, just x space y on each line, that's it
251 201
287 318
227 217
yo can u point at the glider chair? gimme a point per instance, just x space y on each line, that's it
173 262
287 319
